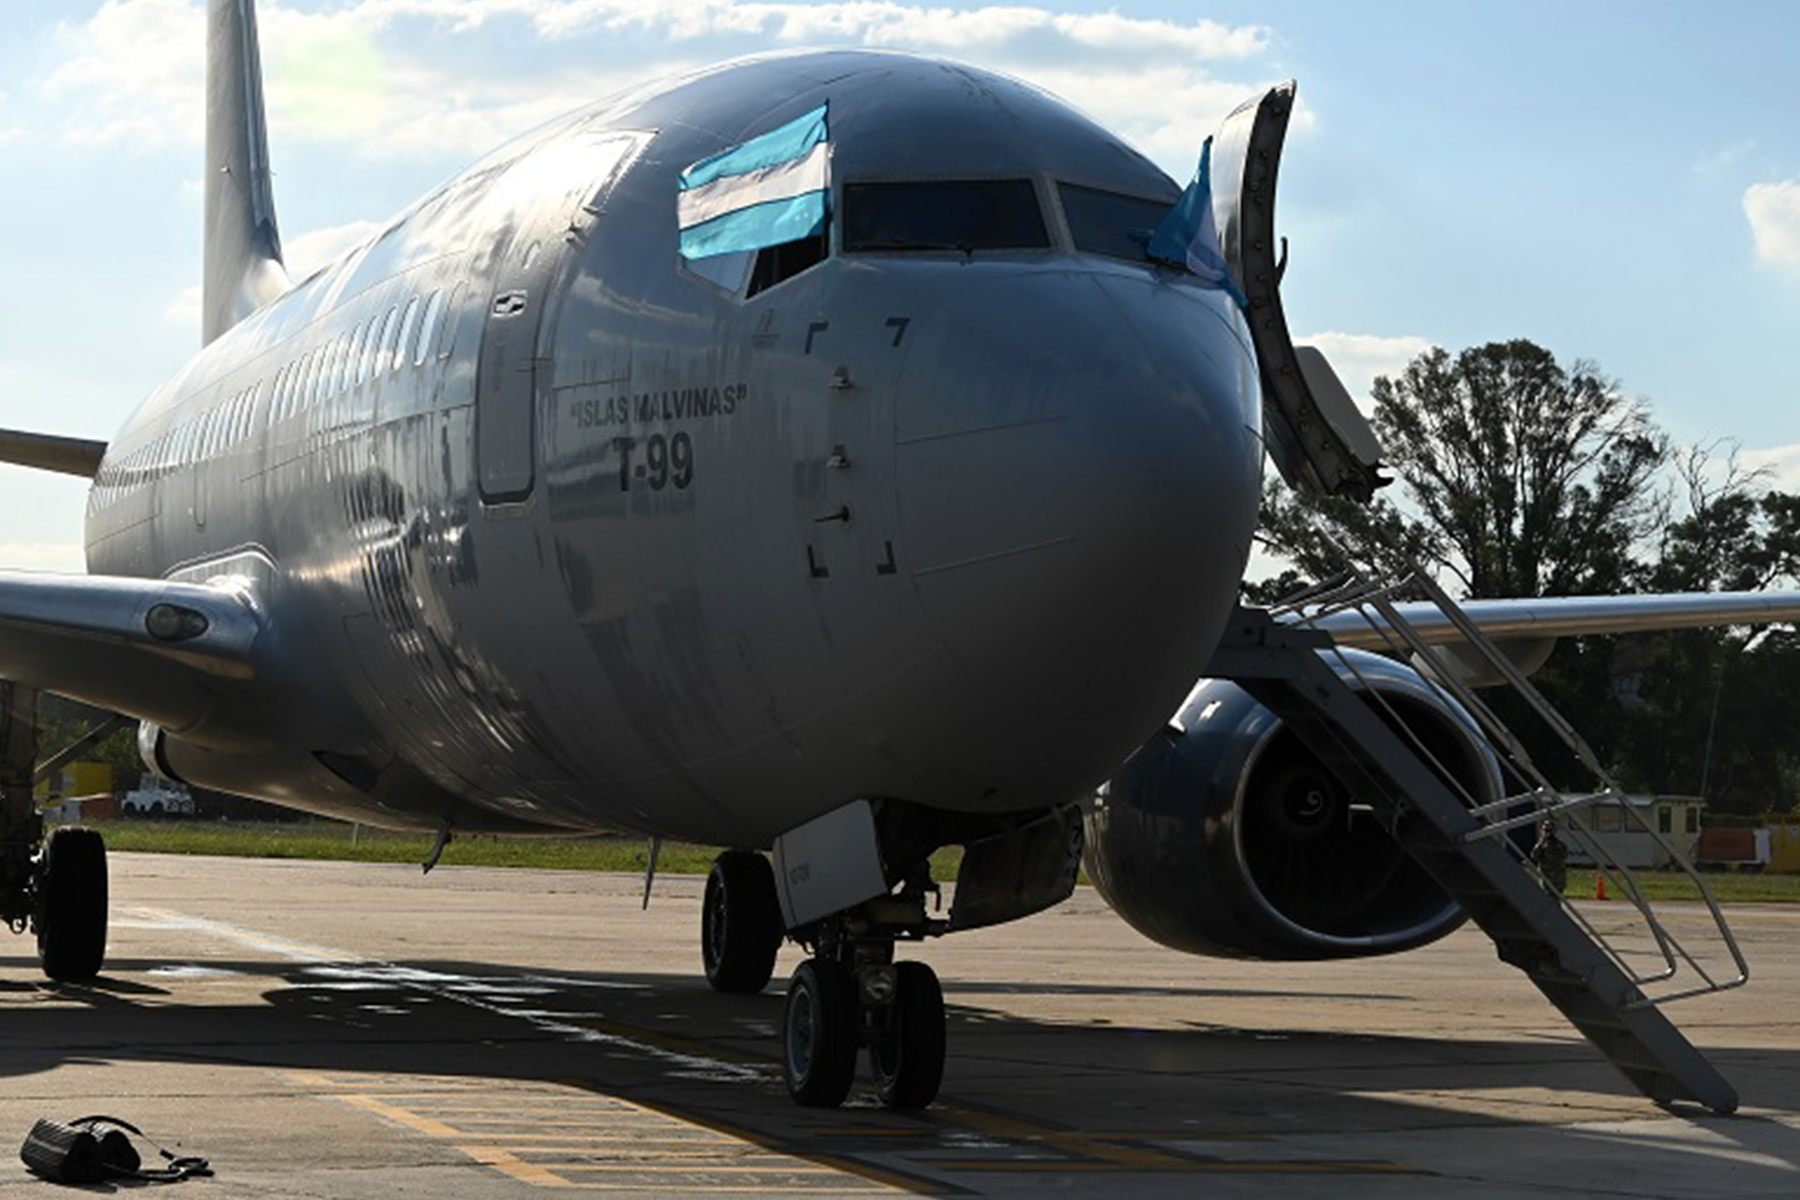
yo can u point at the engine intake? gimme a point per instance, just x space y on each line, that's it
1232 838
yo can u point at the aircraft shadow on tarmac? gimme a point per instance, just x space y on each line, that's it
668 1042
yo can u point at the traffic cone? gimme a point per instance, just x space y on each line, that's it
1600 885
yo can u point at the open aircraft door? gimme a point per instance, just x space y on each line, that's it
560 192
1314 433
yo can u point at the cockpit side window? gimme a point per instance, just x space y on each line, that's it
777 263
960 214
1111 223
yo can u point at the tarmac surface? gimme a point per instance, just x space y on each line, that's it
326 1030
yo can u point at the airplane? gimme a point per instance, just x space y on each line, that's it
806 456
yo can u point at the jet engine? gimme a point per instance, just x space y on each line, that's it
1226 836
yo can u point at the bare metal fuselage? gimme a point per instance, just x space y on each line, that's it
607 545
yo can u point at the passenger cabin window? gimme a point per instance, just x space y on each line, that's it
384 351
403 339
1111 223
428 326
364 353
963 214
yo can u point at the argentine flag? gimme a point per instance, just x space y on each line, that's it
1190 235
770 190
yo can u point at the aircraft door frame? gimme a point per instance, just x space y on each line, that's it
565 188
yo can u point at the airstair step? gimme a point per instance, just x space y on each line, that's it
1504 897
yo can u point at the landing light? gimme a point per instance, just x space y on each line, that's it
171 623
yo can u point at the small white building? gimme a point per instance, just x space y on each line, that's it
1622 833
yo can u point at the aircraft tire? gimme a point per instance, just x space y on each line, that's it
740 923
908 1063
819 1033
71 916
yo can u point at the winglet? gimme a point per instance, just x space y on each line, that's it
243 269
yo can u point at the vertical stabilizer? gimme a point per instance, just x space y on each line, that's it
243 246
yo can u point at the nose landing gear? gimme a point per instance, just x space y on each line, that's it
894 1009
852 995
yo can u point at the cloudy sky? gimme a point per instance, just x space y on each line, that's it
1619 182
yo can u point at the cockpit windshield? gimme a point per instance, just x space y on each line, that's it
965 215
1111 223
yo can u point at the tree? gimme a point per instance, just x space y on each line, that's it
1519 477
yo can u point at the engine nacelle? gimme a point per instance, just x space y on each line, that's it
1232 839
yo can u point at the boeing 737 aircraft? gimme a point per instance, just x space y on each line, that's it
809 456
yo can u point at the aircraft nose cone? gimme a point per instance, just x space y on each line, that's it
1078 473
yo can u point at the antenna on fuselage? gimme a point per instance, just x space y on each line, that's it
243 269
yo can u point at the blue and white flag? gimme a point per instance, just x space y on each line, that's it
770 190
1190 234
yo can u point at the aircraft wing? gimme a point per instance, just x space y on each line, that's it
161 651
1574 616
44 452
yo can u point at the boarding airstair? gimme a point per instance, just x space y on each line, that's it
1608 977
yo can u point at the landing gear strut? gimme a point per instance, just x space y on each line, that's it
59 892
852 994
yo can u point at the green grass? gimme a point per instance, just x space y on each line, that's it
1727 887
332 840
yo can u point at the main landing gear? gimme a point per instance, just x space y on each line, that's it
60 890
848 996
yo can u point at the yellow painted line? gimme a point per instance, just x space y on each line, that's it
507 1164
642 1188
308 1079
674 1137
1110 1152
411 1120
588 1154
1185 1166
549 1103
608 1118
653 1169
845 1166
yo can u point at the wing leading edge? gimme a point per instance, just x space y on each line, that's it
164 652
1573 616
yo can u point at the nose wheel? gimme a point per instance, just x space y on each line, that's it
895 1009
907 1058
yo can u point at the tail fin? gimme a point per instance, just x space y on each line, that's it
244 270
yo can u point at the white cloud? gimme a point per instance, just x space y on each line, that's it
133 72
43 556
315 248
1359 357
304 255
184 307
355 75
1782 464
1773 210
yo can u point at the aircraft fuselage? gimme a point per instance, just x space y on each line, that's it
552 530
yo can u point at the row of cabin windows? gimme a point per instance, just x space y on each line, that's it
380 346
208 435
